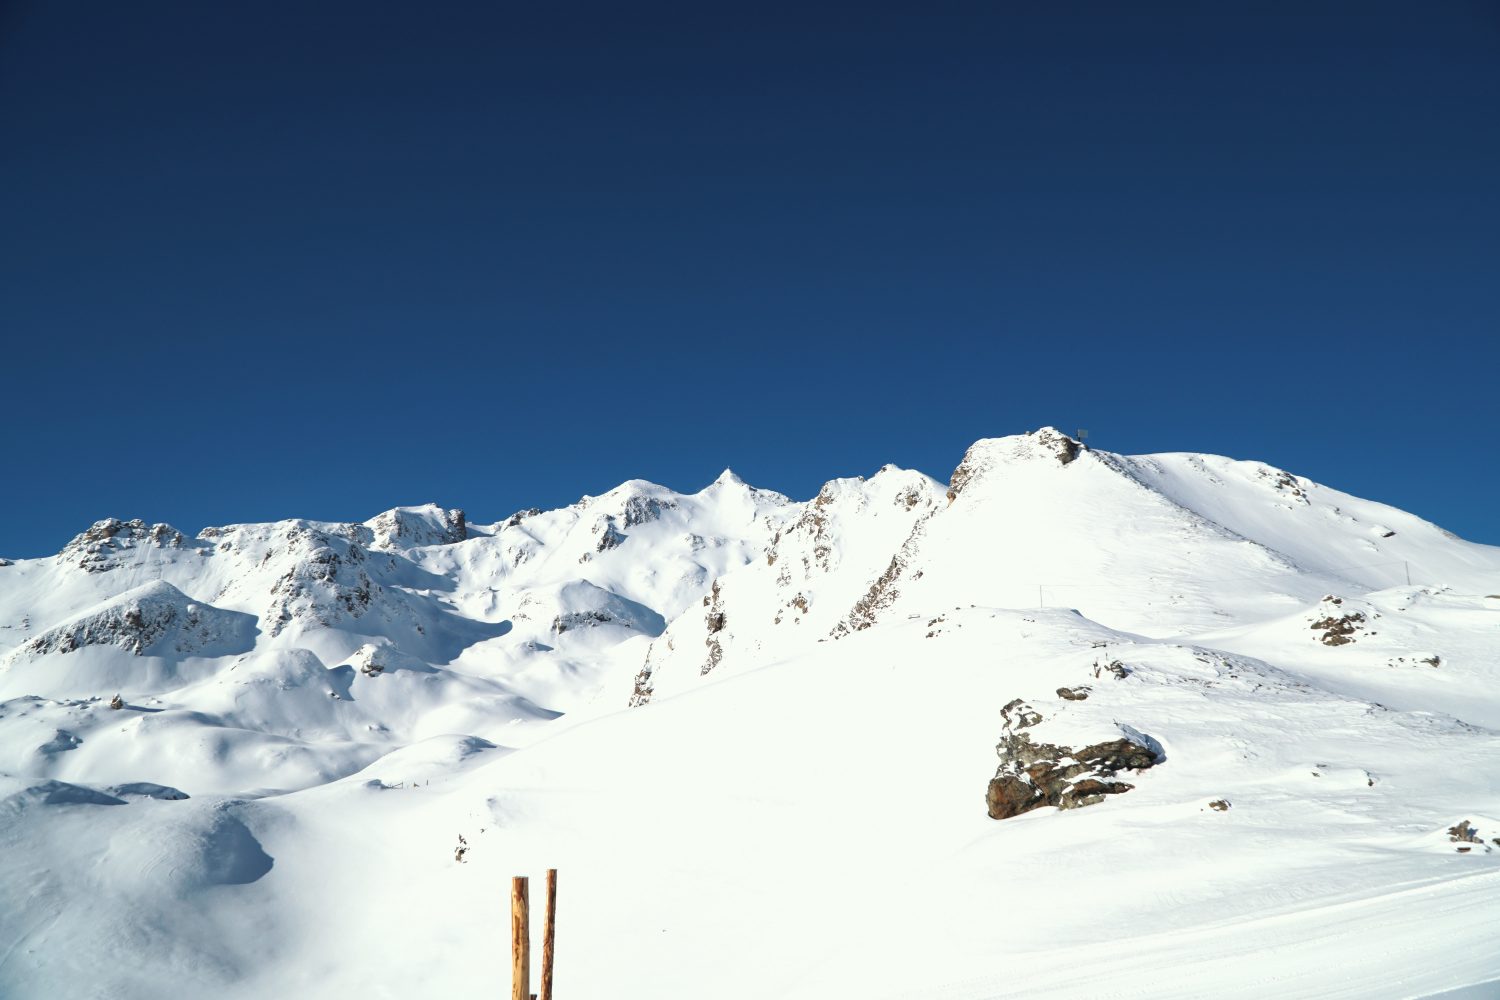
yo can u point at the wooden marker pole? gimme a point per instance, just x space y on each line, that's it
520 940
549 931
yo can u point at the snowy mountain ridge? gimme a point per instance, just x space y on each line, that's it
1171 650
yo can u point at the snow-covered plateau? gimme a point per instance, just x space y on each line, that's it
1068 724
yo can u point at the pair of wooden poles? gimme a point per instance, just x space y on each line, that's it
520 938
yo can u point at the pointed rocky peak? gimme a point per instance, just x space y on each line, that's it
1055 443
1047 444
729 478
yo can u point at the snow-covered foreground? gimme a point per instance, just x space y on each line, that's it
756 739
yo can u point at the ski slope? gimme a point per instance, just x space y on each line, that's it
755 735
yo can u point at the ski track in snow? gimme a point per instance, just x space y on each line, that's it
1385 941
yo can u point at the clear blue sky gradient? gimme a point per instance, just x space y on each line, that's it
309 259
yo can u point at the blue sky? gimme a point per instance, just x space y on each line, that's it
262 261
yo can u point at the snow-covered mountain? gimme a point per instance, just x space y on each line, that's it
1246 730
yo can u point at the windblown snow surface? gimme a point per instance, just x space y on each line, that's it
758 738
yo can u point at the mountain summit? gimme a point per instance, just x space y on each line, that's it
1240 701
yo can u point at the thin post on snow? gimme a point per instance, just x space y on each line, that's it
549 931
520 940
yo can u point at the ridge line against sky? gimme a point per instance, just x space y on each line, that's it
323 259
483 515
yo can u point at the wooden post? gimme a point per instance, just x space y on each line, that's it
549 931
520 940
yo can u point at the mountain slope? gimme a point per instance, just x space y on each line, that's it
763 741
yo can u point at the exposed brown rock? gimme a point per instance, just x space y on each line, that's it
1337 629
521 515
1032 775
1464 831
715 620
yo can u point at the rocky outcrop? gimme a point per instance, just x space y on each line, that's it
369 659
885 589
982 456
626 507
961 475
325 587
641 509
374 659
1338 627
1464 832
1063 448
586 619
1289 486
882 594
644 687
584 606
154 620
1034 774
610 537
519 516
102 547
410 527
813 524
315 574
714 620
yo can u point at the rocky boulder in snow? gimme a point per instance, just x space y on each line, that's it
1337 625
1035 774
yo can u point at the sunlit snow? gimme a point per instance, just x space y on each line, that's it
755 736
